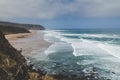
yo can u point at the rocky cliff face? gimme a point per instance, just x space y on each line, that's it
12 63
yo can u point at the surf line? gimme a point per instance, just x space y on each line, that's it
104 48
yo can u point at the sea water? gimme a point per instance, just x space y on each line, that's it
74 50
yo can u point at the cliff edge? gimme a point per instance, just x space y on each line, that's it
12 30
12 63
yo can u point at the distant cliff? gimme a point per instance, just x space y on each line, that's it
26 26
12 30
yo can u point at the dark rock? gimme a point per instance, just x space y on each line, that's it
113 72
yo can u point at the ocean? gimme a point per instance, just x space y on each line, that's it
76 50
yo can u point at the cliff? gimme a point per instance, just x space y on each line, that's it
25 26
11 61
13 65
12 30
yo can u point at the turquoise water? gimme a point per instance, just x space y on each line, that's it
75 50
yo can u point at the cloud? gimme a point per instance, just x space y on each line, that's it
50 9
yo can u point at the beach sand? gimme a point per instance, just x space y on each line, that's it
29 43
19 35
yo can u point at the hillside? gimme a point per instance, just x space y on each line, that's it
12 30
26 26
10 61
13 65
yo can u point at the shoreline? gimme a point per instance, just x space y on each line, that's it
29 42
10 37
37 41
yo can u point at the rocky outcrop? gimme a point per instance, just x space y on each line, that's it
25 26
12 63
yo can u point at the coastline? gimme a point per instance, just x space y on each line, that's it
37 41
19 35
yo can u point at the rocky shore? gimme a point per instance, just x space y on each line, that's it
13 66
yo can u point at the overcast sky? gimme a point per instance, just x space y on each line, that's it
62 13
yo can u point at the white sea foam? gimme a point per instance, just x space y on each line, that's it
52 36
86 47
82 46
114 50
86 62
59 48
60 43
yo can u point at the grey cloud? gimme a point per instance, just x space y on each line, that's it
49 9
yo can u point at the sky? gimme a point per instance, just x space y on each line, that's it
63 13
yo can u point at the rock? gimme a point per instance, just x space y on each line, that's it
113 72
12 62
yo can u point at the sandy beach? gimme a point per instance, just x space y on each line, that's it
29 42
19 35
